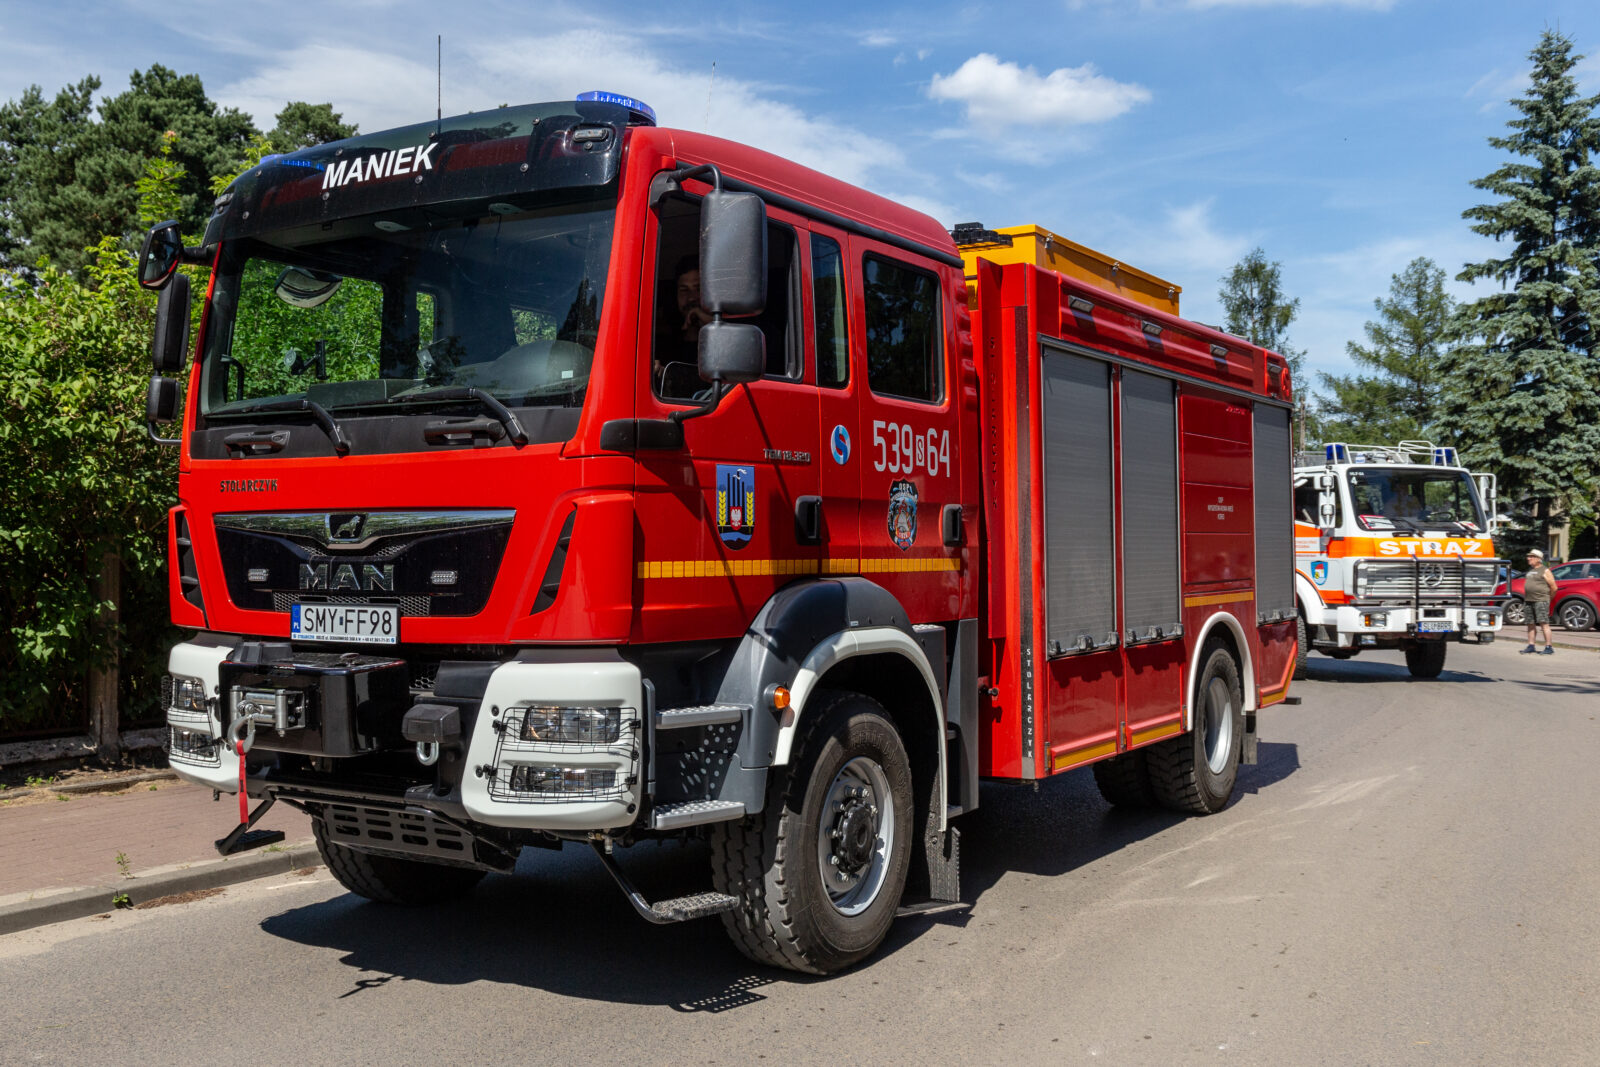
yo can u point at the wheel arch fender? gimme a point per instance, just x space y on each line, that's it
822 633
1309 600
1225 626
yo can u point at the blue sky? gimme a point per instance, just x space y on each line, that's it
1338 135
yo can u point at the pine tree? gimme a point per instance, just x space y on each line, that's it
1524 397
1253 301
1404 346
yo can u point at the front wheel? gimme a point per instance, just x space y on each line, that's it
1301 649
1576 615
1516 612
1425 659
819 873
1196 771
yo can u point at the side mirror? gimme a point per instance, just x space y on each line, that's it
732 352
733 253
170 344
161 404
160 255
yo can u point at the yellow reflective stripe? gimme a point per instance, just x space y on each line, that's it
1081 755
1216 598
744 568
1141 736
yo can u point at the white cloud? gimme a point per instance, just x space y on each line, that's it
996 91
380 91
879 39
1368 5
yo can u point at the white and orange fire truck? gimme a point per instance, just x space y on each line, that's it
548 477
1393 550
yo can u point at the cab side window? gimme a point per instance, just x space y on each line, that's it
828 304
679 315
905 356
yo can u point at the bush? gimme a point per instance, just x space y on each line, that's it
80 479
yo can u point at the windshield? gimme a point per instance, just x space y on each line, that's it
1415 498
366 314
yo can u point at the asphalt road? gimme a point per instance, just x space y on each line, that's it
1409 876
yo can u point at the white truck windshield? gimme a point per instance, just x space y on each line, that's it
1412 499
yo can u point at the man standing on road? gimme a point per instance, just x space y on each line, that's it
1538 587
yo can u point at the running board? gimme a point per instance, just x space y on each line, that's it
706 715
695 813
664 912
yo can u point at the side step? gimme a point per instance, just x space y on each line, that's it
705 715
242 839
695 813
663 912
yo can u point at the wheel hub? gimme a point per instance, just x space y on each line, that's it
855 836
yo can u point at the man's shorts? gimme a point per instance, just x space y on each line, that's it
1538 613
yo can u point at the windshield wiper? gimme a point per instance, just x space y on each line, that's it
507 418
319 415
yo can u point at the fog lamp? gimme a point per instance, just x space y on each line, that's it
1485 618
594 726
541 778
1375 618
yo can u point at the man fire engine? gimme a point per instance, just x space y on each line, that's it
472 567
1393 550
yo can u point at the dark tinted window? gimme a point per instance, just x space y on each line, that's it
828 304
902 326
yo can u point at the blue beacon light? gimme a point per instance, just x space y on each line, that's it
641 110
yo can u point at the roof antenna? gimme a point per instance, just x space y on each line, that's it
709 85
438 79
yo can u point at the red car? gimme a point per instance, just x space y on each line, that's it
1577 600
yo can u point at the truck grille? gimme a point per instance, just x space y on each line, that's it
1424 579
410 606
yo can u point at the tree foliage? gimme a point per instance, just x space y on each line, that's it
81 479
1405 345
1523 397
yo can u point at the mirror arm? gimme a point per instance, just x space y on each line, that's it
150 428
683 174
718 391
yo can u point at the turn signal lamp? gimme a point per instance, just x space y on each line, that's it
780 698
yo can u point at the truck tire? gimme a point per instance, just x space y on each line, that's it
1425 659
389 879
819 873
1125 780
1195 772
1301 649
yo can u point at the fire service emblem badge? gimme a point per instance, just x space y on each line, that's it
736 504
903 514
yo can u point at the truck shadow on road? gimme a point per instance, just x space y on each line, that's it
559 923
1365 669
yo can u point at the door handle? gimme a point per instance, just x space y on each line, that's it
953 528
808 520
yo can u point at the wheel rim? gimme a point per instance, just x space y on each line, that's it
855 835
1576 616
1219 725
1516 613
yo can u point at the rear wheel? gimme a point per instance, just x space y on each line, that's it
1125 780
1425 659
1516 612
819 873
1196 772
389 879
1301 649
1576 614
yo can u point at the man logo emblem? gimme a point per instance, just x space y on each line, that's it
344 528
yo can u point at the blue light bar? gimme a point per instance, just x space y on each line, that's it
1337 453
1444 457
641 110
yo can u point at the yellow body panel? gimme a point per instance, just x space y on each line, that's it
1037 245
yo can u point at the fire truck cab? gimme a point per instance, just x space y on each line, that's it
551 478
1393 550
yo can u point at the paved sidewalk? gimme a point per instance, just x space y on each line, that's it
56 845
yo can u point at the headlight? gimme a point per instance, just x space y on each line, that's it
592 726
187 694
536 778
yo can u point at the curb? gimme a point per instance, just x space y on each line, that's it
159 882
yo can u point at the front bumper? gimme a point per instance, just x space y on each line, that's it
344 728
1379 623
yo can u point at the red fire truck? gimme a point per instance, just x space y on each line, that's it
550 477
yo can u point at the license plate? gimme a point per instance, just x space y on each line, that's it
352 623
1435 628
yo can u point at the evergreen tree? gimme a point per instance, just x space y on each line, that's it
302 125
1404 347
1523 398
1253 301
